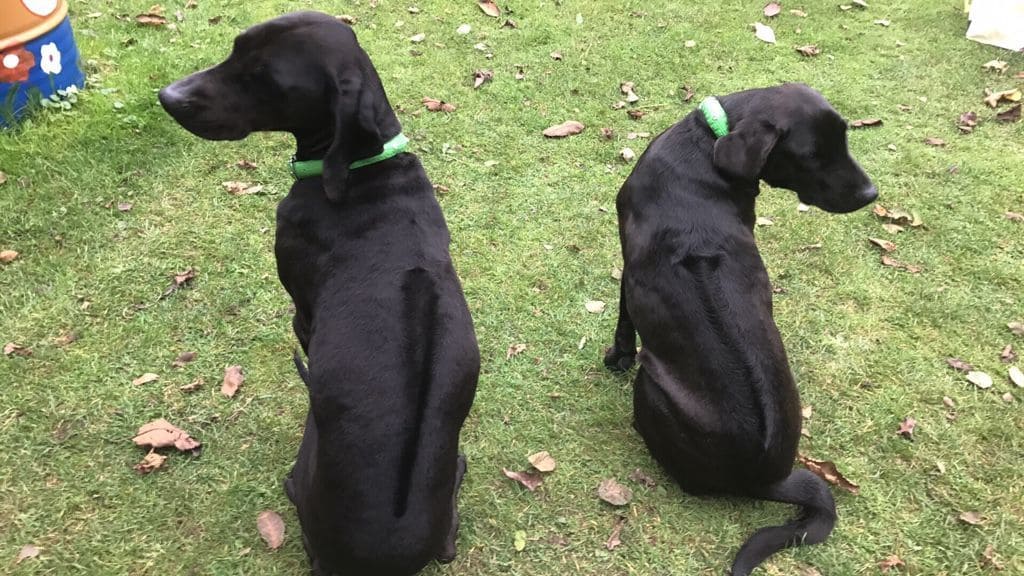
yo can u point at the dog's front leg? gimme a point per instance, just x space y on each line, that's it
622 354
448 551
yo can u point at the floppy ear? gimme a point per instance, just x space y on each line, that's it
742 153
354 130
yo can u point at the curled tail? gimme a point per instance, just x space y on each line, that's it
811 526
301 367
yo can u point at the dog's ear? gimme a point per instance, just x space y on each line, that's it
742 153
355 131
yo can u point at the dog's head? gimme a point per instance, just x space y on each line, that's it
303 73
791 137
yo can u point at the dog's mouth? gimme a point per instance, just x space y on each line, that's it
848 201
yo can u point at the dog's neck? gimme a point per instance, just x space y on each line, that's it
701 143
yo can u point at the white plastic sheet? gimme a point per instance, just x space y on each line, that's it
998 23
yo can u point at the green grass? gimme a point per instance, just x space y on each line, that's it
534 237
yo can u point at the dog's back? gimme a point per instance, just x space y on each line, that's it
393 368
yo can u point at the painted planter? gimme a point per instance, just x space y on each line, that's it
38 55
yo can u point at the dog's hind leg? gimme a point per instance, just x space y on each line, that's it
622 354
448 551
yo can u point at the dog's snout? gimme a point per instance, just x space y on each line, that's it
869 194
173 99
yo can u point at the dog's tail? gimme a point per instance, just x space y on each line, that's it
301 367
811 526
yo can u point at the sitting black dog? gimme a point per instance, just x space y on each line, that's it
363 251
714 398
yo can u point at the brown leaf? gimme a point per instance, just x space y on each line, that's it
347 19
891 562
898 216
687 93
798 13
151 462
27 552
528 478
182 359
994 98
614 541
772 9
1016 327
1009 115
145 379
162 434
16 349
66 338
246 164
989 559
972 518
809 50
236 188
883 244
271 528
124 206
937 142
481 76
489 8
556 55
807 412
999 66
828 471
979 379
1014 216
8 256
1016 376
906 428
639 477
894 263
435 105
567 128
191 4
764 33
893 228
152 17
866 123
520 73
180 279
636 114
594 306
192 386
510 23
514 350
233 378
967 121
627 89
607 133
958 364
614 493
1007 355
542 461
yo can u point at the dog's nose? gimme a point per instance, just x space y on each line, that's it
172 99
869 194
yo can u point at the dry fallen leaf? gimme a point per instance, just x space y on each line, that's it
996 65
828 472
16 349
883 244
8 256
1014 216
594 306
1009 115
1007 354
958 364
151 462
993 98
1016 327
627 154
481 76
162 434
66 338
990 559
192 386
894 263
27 552
514 350
764 221
866 123
627 89
809 50
246 164
764 33
607 133
145 379
542 461
937 142
906 428
614 493
417 38
528 478
435 105
233 378
892 228
891 562
772 9
271 528
979 379
567 128
180 279
966 122
236 188
1016 376
183 359
152 17
798 13
614 541
639 477
972 518
347 19
489 8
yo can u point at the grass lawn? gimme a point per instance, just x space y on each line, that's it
534 238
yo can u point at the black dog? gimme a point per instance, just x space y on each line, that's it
363 252
714 398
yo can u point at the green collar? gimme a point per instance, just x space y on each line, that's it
307 168
715 116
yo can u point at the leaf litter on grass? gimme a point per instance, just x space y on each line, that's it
270 527
614 493
828 472
233 379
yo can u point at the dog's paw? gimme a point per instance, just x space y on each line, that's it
617 360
